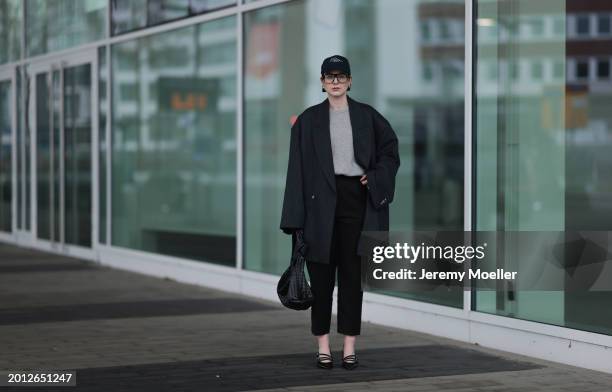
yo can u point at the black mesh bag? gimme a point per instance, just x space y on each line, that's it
293 288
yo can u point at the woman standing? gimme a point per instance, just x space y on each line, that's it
343 160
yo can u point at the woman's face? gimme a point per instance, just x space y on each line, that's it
335 83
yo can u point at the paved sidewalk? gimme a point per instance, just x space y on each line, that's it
123 331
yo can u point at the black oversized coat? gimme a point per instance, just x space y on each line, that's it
310 191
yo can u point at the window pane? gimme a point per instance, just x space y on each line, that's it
559 69
543 153
11 19
19 145
103 149
77 154
536 70
425 31
424 104
131 15
582 69
23 150
559 25
6 165
603 24
52 25
603 69
43 157
174 145
583 24
27 148
537 26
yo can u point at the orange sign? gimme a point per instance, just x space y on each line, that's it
189 101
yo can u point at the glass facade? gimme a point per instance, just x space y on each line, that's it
170 136
543 132
419 89
174 142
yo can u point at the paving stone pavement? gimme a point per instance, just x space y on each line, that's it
123 331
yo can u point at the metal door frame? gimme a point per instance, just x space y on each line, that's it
49 65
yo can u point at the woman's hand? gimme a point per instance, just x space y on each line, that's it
364 179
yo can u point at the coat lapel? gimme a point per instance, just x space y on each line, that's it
322 139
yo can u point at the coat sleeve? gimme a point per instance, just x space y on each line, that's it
381 178
292 216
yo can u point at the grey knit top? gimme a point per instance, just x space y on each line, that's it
341 134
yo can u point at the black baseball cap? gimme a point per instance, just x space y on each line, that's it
336 63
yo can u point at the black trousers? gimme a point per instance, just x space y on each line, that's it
351 197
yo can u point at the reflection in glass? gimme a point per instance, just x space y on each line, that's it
23 147
174 142
26 140
5 156
56 157
131 15
59 24
19 140
417 86
77 155
543 142
43 157
103 71
74 159
11 20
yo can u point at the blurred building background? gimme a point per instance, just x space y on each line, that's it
153 135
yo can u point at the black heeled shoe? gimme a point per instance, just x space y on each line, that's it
327 362
350 362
